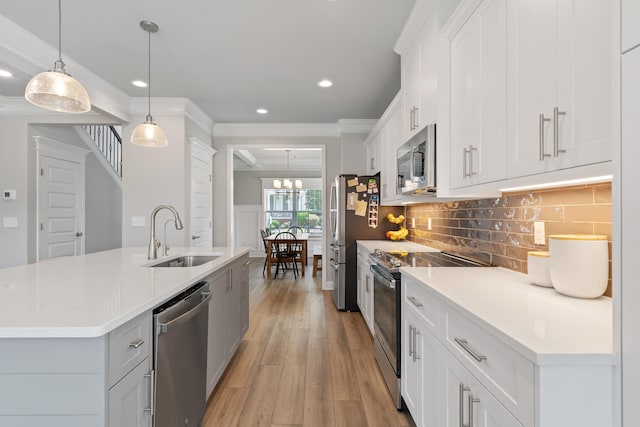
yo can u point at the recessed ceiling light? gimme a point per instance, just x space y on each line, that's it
5 73
325 83
262 111
139 83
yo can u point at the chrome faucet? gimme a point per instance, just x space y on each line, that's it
153 242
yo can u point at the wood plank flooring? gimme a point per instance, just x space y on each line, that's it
302 363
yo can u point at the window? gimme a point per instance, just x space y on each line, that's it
288 208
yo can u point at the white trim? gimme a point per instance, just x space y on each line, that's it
199 117
422 10
276 129
17 105
458 18
356 125
195 141
84 136
53 148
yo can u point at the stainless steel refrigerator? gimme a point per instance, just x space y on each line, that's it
354 214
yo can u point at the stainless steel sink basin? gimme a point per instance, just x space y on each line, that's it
186 261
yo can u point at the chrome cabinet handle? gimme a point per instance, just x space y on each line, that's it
136 344
461 390
415 302
465 151
415 342
471 150
541 121
79 234
467 347
410 340
417 117
411 119
152 385
471 401
195 237
556 149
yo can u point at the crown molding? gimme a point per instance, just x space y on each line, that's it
421 11
18 106
391 108
199 117
276 129
356 125
172 105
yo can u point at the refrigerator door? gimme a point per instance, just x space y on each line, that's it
336 210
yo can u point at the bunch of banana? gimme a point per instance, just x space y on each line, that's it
395 220
400 234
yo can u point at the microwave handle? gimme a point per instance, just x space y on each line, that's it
413 163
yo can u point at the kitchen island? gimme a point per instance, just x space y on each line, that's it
75 333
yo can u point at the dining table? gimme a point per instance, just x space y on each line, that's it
301 238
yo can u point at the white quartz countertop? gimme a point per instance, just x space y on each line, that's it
90 295
540 323
397 245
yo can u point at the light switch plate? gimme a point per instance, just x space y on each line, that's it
538 233
138 221
10 222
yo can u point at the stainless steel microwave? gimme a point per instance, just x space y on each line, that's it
417 163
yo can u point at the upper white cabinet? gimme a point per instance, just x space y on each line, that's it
478 93
420 79
629 14
374 154
559 85
392 139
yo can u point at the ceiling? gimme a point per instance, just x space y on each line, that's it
231 57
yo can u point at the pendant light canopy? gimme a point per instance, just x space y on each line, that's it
55 89
149 134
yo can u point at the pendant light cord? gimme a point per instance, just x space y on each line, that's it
60 30
149 86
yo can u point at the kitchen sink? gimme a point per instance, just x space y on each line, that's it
185 261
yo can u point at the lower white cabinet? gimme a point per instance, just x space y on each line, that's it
420 364
130 399
365 287
228 317
467 402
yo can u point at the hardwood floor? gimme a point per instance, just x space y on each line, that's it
302 363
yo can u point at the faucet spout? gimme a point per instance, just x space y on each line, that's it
153 241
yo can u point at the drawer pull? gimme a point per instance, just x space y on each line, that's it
465 345
136 344
461 391
152 390
415 302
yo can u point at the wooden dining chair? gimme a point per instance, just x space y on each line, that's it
298 249
295 230
285 252
264 234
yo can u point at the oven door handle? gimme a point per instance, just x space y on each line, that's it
387 280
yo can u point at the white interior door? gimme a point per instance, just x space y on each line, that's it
200 227
60 208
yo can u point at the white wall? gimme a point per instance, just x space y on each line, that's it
17 172
353 153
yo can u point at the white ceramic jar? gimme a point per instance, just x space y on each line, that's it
538 268
579 264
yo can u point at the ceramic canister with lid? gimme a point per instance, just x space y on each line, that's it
538 268
579 264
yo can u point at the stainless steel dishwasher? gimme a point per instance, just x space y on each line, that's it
180 358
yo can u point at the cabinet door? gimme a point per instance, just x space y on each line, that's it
373 155
360 282
130 399
216 350
410 91
428 70
392 139
479 97
585 81
240 278
368 296
233 315
467 402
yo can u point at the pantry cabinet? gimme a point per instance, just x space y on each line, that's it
560 85
420 79
478 95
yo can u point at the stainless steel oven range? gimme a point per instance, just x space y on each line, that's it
386 305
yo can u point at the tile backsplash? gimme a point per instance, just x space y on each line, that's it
502 228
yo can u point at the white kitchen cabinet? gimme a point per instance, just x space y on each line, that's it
478 96
420 79
467 402
630 16
391 138
365 287
228 317
420 367
130 399
374 154
560 85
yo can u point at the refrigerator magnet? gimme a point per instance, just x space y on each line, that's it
352 199
361 208
352 182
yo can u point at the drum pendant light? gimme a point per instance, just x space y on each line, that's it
55 89
148 134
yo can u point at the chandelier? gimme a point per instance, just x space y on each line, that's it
287 183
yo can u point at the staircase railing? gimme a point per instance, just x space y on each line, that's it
108 140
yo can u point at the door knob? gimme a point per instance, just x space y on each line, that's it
79 234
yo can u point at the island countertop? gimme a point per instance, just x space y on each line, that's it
90 295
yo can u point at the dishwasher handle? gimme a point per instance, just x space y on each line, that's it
163 328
